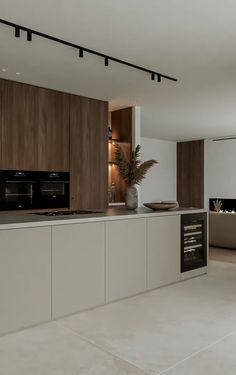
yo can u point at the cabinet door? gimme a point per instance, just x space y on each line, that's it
88 153
126 258
19 118
52 131
163 254
25 278
78 277
34 128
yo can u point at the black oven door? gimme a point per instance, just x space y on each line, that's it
54 190
19 195
17 190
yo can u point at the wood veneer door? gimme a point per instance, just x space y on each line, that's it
52 131
190 174
88 153
19 115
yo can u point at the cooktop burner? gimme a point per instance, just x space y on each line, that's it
59 213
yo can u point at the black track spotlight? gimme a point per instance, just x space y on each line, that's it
17 32
29 35
107 59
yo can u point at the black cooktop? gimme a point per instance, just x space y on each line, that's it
59 213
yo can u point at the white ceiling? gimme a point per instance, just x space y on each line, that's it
193 41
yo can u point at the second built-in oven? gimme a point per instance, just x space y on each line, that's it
54 189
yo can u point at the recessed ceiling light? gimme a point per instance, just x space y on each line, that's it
18 73
4 69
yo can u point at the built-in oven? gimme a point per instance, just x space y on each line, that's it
193 241
54 190
22 190
18 190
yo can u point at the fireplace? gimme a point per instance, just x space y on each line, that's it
224 205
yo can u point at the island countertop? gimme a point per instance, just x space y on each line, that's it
11 221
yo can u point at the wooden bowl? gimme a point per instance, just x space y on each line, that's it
161 205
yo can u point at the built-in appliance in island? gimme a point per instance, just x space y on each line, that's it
22 190
193 241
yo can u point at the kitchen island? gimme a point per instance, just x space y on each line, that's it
51 267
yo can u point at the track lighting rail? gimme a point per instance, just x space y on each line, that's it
82 50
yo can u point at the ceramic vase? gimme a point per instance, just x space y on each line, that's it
131 198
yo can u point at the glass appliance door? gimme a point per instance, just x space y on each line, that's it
19 195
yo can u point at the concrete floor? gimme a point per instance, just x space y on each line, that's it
222 255
183 329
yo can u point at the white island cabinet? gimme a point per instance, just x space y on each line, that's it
163 250
60 266
125 258
78 272
25 278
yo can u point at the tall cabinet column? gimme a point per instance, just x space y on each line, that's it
88 153
190 174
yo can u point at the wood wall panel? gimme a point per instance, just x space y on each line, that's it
53 131
19 114
34 128
88 153
190 174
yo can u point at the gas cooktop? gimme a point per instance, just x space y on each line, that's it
59 213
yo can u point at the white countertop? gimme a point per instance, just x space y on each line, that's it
8 221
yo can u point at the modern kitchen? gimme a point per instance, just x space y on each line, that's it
76 249
105 210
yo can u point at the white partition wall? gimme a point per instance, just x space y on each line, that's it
160 182
220 169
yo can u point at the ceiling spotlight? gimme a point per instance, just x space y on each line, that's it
4 69
17 32
18 73
106 58
29 35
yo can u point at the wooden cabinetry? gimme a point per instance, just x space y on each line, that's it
190 174
25 278
125 258
34 128
19 120
163 250
53 131
46 130
88 153
78 275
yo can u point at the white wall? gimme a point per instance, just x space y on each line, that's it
220 169
160 182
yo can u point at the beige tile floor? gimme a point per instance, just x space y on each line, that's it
187 328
